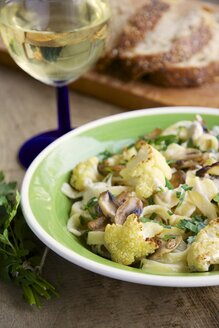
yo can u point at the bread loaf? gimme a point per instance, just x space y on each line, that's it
181 32
173 42
134 17
200 68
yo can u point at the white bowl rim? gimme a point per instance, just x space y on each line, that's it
70 255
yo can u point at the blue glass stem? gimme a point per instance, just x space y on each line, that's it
64 120
32 147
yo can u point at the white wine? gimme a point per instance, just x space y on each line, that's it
55 43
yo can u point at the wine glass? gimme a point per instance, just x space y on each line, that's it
55 41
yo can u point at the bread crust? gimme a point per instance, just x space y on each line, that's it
182 49
186 76
147 14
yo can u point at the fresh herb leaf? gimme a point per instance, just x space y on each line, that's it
131 145
145 220
194 225
92 202
152 216
150 200
181 196
19 255
170 212
164 141
186 187
92 207
216 198
178 194
168 237
199 218
171 161
169 184
105 154
190 144
191 239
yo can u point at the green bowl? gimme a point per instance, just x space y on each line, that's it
46 209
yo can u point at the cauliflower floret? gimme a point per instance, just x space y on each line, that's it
126 155
146 171
85 174
205 250
126 243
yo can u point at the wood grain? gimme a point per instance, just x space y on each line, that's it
87 300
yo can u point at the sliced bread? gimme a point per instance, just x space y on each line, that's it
132 17
200 68
182 31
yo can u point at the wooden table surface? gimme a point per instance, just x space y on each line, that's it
87 299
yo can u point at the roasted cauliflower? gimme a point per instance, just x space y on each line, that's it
126 243
146 171
84 174
205 249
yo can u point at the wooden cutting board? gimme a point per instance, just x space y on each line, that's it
133 95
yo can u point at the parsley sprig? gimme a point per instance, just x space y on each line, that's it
162 142
20 261
196 224
181 194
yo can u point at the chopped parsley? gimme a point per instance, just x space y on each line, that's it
131 145
162 142
194 225
178 194
150 200
190 143
92 202
168 237
216 198
186 187
191 239
169 184
92 207
105 154
145 220
181 194
153 216
171 161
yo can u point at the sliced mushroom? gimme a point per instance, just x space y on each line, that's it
98 224
154 134
166 247
105 168
178 177
132 205
210 169
121 198
107 204
190 161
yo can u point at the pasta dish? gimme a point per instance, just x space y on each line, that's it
154 204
